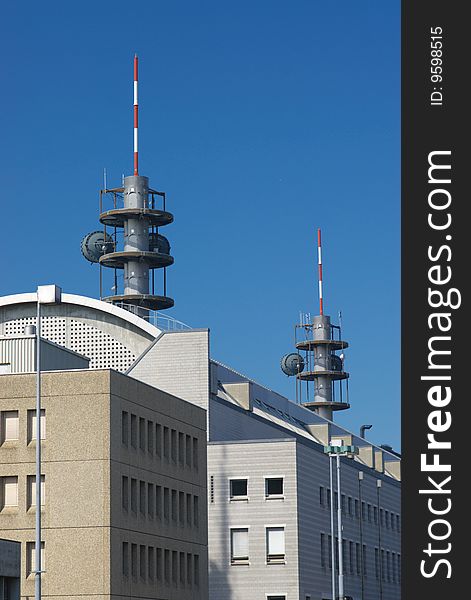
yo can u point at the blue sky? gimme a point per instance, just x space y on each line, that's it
262 121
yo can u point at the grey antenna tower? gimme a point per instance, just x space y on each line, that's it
144 249
323 367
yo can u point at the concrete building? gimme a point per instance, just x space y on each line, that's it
268 477
124 465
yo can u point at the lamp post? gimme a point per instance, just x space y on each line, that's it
362 566
380 554
46 294
332 532
337 449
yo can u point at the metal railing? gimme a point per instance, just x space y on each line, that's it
155 318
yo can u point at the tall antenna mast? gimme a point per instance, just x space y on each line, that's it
144 249
320 364
136 120
319 261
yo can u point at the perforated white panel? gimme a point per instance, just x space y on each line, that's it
103 350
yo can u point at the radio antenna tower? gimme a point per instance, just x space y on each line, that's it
134 212
316 361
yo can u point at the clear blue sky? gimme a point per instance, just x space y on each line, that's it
262 121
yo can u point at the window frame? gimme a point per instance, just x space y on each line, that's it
274 496
272 559
241 497
239 560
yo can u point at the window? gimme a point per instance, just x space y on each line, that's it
351 557
166 503
195 453
142 561
142 497
174 505
188 450
124 492
174 566
357 509
158 563
275 544
150 437
196 569
195 511
343 503
158 440
350 506
364 560
133 431
32 425
181 452
276 597
274 487
358 557
133 494
125 559
321 496
150 562
182 568
238 489
375 515
124 429
167 564
323 562
166 443
181 508
9 492
134 560
377 563
174 445
188 510
31 558
31 491
369 513
239 546
150 500
9 425
142 433
158 501
188 569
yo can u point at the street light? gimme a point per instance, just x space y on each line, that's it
337 449
46 294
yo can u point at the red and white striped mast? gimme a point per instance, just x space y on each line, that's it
136 121
319 262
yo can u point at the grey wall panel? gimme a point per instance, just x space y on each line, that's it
226 422
177 363
255 461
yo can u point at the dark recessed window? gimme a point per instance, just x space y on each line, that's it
238 488
274 486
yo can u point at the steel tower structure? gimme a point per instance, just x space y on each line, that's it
134 211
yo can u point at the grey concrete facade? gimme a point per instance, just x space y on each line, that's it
125 508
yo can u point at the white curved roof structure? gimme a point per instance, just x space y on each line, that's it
109 335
